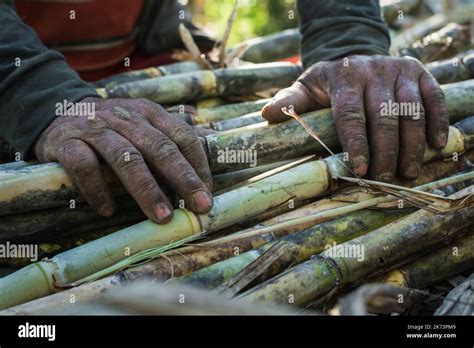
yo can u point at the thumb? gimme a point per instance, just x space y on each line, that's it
298 96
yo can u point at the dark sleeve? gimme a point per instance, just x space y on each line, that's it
32 80
159 27
333 29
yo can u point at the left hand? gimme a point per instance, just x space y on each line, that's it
362 91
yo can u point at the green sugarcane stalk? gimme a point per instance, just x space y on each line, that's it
50 224
206 83
385 248
43 186
238 122
60 244
435 267
281 45
289 139
302 245
226 180
444 43
453 70
143 74
8 166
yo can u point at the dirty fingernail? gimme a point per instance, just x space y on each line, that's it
202 201
441 139
162 211
412 171
360 165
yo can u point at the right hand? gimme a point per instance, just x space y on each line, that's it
135 137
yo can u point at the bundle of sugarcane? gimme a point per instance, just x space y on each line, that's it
306 180
444 43
380 250
192 258
288 139
47 185
405 38
208 83
311 241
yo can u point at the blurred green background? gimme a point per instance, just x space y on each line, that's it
254 17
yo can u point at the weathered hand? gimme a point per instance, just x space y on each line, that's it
364 93
135 137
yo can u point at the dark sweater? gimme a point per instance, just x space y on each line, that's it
34 78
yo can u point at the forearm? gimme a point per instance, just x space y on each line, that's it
32 80
336 29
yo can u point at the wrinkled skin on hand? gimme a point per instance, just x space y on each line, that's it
358 88
136 138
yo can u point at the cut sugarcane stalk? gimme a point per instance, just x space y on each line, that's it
385 248
229 111
435 267
143 74
225 180
60 244
50 224
238 122
444 43
453 70
302 245
281 45
206 83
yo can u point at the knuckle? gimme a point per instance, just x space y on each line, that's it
164 149
350 112
83 167
189 180
387 124
126 157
